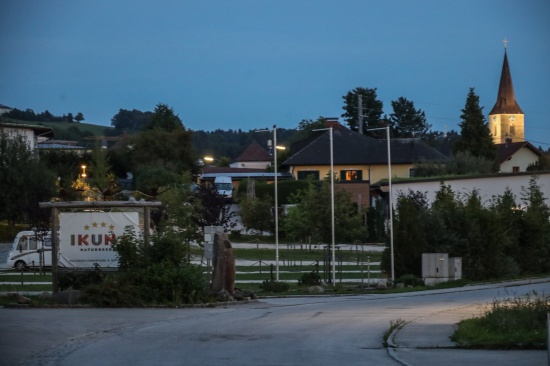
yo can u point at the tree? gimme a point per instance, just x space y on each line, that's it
101 180
164 118
24 182
407 121
79 117
372 108
256 213
474 131
216 211
165 149
409 235
535 232
311 216
131 121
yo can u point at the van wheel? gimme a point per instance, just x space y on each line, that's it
19 265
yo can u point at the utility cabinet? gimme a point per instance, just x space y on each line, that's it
438 267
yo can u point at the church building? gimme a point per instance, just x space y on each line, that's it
506 120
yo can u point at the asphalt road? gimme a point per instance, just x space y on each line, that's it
286 331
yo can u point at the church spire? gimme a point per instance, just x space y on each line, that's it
506 99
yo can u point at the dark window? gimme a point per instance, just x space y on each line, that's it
304 174
515 169
351 175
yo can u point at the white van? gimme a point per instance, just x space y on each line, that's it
28 250
224 186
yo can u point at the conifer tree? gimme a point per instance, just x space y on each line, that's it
475 134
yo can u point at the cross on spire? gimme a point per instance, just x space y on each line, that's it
505 41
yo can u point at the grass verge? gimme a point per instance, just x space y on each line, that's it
515 323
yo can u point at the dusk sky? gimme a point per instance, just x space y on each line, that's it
252 64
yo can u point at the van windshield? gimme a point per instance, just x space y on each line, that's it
223 186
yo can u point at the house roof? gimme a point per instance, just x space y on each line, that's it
254 152
506 150
353 148
506 99
39 130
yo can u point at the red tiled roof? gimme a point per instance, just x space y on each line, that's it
254 152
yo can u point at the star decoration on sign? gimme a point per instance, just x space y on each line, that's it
94 224
103 224
86 227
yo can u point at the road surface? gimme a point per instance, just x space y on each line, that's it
279 331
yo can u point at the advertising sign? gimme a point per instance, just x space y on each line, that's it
86 238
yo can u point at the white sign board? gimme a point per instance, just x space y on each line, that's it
86 238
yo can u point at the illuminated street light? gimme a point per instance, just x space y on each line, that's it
83 175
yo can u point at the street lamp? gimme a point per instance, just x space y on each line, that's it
387 128
83 175
275 148
331 202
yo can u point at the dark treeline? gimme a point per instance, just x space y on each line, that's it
46 116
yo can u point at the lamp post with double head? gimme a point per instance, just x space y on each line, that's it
276 213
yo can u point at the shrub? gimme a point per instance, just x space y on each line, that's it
310 279
274 286
152 274
410 280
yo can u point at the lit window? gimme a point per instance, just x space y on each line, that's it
351 175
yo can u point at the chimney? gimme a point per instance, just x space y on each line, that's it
332 122
507 140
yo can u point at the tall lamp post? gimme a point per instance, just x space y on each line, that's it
275 147
331 203
387 128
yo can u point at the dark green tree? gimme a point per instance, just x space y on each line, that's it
535 233
311 216
410 239
474 131
24 182
256 213
407 121
372 108
79 117
131 121
101 179
510 217
165 119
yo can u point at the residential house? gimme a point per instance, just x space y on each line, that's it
253 157
515 157
34 134
5 109
358 160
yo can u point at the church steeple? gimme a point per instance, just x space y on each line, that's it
506 99
506 119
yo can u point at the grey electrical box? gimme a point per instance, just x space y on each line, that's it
438 267
455 268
